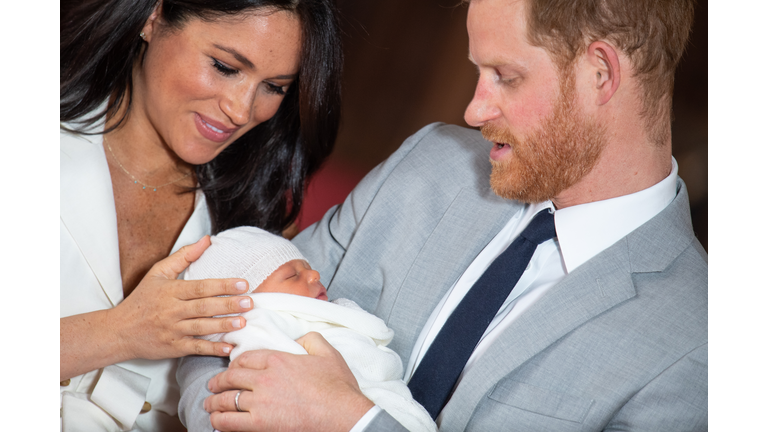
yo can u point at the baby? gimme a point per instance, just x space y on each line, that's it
289 301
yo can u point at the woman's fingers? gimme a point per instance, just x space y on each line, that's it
197 289
172 266
193 346
207 326
214 306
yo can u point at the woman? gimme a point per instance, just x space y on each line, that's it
181 118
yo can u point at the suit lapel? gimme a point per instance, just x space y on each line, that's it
475 219
88 209
593 288
600 284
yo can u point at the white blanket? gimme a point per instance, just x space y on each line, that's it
278 319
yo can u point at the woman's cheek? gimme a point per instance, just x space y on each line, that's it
266 108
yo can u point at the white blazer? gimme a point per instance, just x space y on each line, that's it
111 398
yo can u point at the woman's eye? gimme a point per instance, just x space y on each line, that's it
275 89
224 70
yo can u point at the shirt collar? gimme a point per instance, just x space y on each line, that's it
585 230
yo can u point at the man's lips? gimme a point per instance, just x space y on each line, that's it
500 151
212 129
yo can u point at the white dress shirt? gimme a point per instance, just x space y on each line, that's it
583 231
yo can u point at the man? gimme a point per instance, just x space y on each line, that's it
606 327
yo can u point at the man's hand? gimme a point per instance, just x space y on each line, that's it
286 392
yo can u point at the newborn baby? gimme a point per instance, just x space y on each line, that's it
289 301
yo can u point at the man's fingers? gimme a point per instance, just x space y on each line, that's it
232 421
315 344
225 401
234 378
257 359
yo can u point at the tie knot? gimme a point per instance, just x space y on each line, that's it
541 228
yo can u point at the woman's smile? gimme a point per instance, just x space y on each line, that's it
203 86
213 130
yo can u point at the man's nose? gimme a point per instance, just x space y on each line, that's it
483 107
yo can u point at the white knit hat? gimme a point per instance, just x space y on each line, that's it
244 252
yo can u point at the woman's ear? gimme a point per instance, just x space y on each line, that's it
150 27
604 61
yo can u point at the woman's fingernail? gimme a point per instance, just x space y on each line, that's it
227 349
236 323
241 286
245 303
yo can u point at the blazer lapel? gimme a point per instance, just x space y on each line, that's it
600 284
474 218
88 209
593 288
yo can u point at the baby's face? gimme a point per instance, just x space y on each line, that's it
294 277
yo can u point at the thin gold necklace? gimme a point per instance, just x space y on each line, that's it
137 181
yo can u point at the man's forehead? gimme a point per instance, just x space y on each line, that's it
496 26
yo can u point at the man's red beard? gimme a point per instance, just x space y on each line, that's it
554 157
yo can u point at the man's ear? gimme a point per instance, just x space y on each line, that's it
151 25
604 61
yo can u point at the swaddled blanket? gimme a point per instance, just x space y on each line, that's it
278 319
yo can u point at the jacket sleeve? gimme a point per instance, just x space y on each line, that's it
676 400
193 374
383 422
325 242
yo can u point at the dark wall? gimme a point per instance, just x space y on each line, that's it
406 66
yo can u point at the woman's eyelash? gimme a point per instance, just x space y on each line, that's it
224 70
228 71
275 89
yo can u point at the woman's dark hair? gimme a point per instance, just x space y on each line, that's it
259 179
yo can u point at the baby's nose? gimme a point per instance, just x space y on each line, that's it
313 276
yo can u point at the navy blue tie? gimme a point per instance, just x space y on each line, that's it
434 379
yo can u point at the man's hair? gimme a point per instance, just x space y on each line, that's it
652 33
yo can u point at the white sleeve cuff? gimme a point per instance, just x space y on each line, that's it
121 393
366 419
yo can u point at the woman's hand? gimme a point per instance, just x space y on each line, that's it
158 320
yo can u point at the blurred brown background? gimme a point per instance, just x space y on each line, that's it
406 66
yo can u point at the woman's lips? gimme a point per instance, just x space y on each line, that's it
212 129
500 151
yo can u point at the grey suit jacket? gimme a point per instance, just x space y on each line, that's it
619 344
